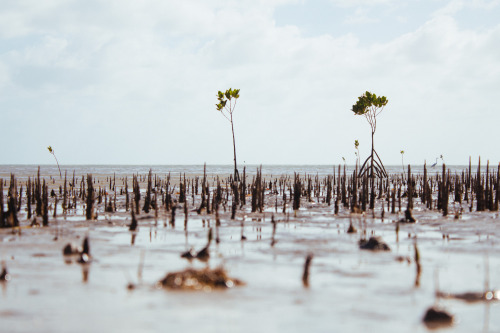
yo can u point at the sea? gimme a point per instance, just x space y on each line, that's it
25 170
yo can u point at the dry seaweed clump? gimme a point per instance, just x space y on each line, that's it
199 279
436 318
375 243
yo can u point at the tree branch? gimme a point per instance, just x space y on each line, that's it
221 111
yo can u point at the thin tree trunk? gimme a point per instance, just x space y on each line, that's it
236 176
372 192
60 174
372 155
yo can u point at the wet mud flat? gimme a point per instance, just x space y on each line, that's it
121 283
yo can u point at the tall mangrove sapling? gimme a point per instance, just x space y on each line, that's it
227 109
370 106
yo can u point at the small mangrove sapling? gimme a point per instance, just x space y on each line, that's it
52 152
227 109
402 162
370 106
356 146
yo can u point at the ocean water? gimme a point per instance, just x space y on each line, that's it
275 170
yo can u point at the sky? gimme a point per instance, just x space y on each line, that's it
136 81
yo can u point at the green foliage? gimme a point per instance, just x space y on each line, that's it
402 152
356 144
50 150
224 97
367 102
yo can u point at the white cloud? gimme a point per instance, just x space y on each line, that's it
357 3
361 15
141 77
455 6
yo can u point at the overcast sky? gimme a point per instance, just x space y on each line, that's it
135 82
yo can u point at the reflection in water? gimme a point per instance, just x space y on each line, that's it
486 325
141 266
85 272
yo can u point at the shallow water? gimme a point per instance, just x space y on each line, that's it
175 170
350 289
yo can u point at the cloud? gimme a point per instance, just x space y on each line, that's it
358 3
131 81
455 6
450 9
361 16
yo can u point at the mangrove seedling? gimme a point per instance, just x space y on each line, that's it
370 106
403 162
356 146
227 109
53 153
402 152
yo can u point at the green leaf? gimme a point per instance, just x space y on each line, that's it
366 101
235 93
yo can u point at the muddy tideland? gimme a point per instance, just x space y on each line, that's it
288 249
